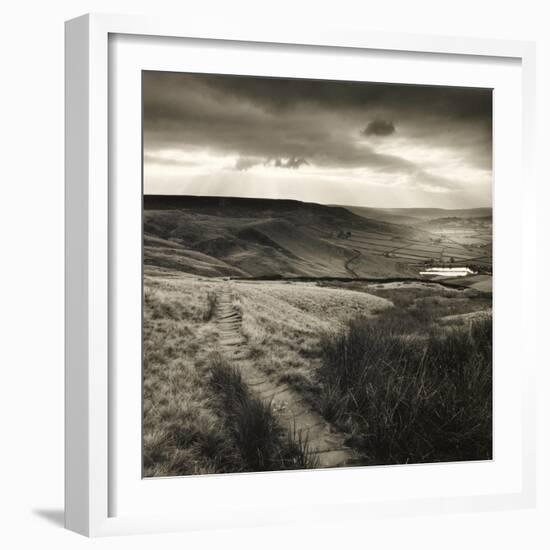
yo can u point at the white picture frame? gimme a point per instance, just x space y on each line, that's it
91 216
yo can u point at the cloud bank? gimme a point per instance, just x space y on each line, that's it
379 128
216 133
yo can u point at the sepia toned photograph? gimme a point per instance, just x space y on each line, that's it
317 274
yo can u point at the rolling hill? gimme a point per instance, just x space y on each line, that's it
414 216
241 237
212 236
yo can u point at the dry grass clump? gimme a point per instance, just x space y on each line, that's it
210 305
182 430
178 299
282 340
198 415
259 440
283 324
405 386
424 397
428 303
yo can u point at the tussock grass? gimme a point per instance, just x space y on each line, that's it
211 303
297 453
191 426
428 303
260 441
409 397
283 323
405 386
183 433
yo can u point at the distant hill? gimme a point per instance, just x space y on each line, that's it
383 214
413 216
217 236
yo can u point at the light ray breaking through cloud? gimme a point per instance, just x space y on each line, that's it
319 141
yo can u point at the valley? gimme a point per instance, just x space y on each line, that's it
279 334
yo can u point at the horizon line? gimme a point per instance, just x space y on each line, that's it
313 202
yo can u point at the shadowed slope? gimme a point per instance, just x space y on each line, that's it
258 237
292 411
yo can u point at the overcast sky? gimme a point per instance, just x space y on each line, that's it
364 144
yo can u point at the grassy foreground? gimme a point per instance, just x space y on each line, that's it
409 396
198 415
260 442
408 378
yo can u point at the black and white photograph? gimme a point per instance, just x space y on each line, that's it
275 275
317 274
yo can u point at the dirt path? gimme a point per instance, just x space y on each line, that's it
348 263
293 412
229 320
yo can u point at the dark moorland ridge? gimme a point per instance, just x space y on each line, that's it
245 237
159 202
240 205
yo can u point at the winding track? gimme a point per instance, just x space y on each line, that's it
292 411
357 253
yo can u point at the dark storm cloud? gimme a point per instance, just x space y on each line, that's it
379 127
292 162
245 163
320 123
285 94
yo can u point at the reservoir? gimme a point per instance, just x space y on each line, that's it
448 271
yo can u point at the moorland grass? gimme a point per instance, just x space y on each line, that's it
426 303
183 433
198 415
404 386
283 324
211 304
261 442
407 392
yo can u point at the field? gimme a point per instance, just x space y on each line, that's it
289 238
282 335
449 237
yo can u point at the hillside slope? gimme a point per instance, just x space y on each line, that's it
414 216
212 236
